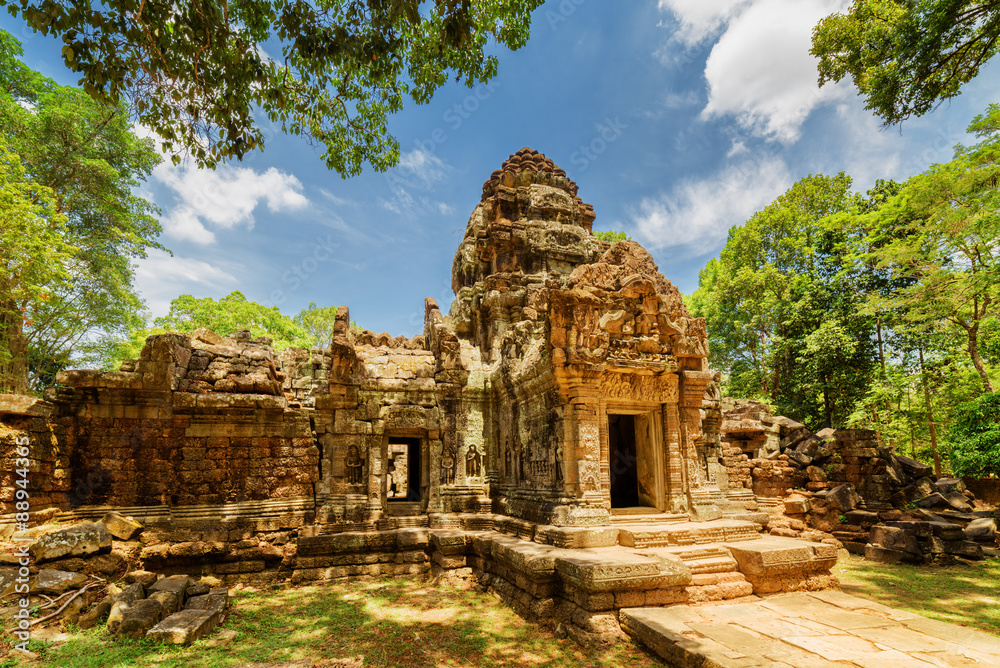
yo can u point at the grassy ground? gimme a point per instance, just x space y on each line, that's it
409 623
965 595
390 622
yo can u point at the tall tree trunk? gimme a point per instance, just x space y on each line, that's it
881 347
13 349
930 415
976 360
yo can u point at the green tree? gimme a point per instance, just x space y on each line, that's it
611 236
947 241
229 314
86 155
783 320
975 434
33 262
906 56
318 322
197 72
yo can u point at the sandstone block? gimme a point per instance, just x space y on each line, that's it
139 618
913 468
894 538
174 584
843 497
93 617
797 505
959 502
79 540
184 627
983 530
121 602
946 485
49 581
934 500
884 556
121 527
964 548
168 599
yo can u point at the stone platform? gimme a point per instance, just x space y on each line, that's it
806 630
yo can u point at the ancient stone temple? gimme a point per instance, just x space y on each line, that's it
568 380
555 435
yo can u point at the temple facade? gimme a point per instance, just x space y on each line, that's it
568 383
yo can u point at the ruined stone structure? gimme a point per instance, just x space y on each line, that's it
556 434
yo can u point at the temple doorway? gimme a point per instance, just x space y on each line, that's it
634 460
403 474
623 460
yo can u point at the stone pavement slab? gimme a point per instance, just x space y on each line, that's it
806 630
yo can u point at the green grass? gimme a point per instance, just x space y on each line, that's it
398 622
965 595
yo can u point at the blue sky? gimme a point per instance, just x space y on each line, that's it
678 119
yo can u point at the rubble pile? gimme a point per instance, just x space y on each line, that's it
77 576
840 486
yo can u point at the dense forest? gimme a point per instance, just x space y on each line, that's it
878 310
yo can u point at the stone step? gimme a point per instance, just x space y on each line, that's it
700 558
403 508
687 533
643 515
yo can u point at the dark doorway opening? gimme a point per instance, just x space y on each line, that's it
623 461
404 470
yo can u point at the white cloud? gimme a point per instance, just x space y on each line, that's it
160 277
700 19
417 170
223 198
697 215
759 70
420 166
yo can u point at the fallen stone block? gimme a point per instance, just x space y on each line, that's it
861 517
800 459
894 538
197 590
121 527
983 530
964 548
843 497
796 504
913 468
93 617
121 602
959 502
184 627
935 500
947 530
78 540
176 584
946 485
886 556
139 618
170 600
49 581
145 578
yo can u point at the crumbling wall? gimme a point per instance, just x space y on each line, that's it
195 420
34 457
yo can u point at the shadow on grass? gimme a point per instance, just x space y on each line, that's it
966 595
393 623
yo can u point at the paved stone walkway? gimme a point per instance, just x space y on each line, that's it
814 630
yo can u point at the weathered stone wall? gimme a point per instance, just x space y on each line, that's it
986 489
49 476
196 420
